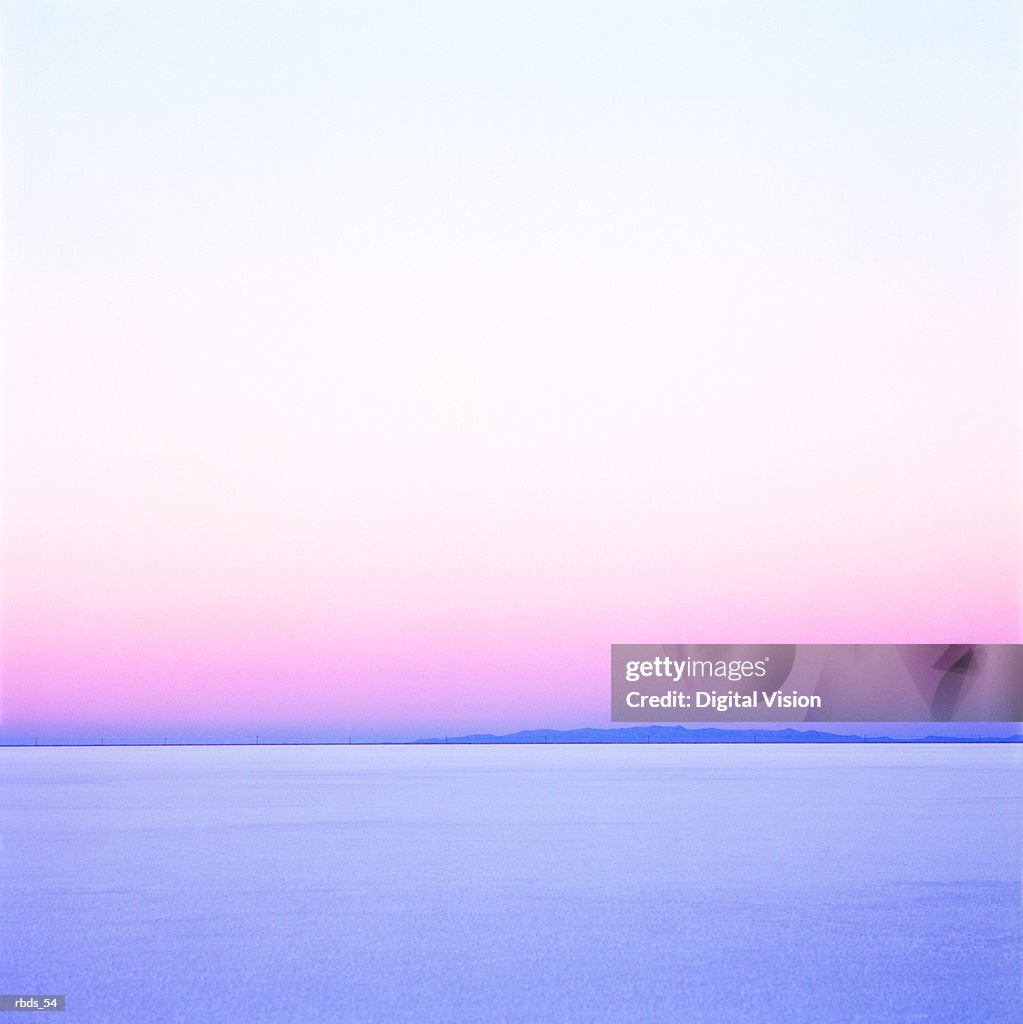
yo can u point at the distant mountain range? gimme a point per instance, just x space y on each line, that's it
680 734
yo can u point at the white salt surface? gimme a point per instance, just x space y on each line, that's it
516 884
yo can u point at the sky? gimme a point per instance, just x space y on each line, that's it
370 368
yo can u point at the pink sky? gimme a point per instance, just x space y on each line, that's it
383 395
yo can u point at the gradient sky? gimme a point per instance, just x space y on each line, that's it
372 367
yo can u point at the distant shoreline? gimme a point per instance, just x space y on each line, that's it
954 741
636 735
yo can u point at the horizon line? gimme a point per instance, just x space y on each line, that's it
499 741
617 734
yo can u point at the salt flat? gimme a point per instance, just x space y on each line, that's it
552 883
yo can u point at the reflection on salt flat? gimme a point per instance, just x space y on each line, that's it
581 883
